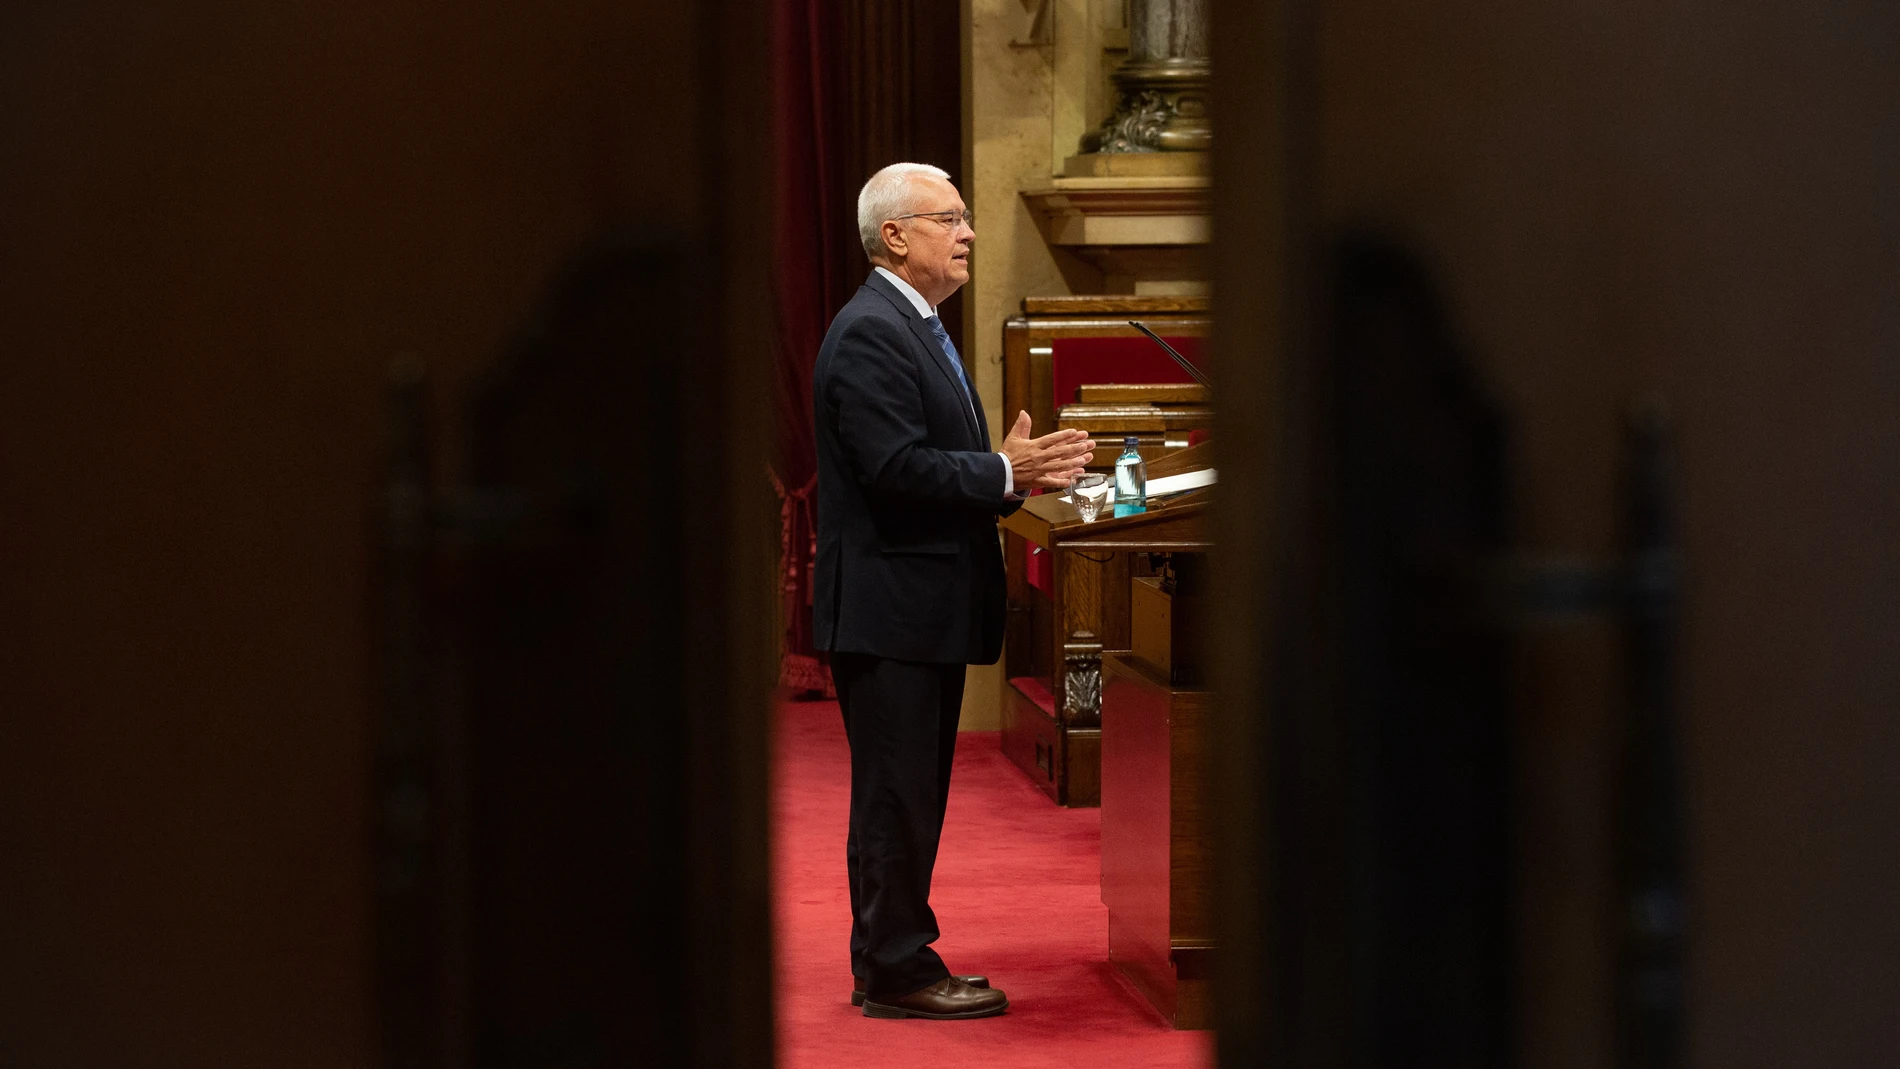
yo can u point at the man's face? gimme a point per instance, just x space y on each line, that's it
936 247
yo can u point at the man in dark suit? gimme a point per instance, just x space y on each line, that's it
909 585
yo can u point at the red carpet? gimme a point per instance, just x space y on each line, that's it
1017 893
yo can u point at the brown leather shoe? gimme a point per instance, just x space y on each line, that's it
857 986
949 999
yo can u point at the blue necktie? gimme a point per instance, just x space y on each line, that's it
950 350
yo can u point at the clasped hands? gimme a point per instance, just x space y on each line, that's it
1050 461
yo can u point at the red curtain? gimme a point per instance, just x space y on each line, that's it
807 234
859 84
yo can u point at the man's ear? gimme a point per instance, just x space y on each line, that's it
894 238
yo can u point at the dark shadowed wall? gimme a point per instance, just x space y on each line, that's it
1692 201
1697 203
218 224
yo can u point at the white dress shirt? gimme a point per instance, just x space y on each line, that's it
925 311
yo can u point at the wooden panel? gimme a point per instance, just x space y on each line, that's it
1019 633
1112 419
1135 832
1179 525
1040 402
1150 622
1062 761
1030 522
1116 575
1094 589
1177 393
1043 654
1193 458
1093 594
1191 850
1194 988
1030 740
1017 371
1098 303
1078 593
1152 446
1155 837
1135 417
1044 331
1081 767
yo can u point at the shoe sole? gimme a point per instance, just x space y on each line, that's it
895 1013
857 997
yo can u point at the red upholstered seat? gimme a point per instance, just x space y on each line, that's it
1036 689
1086 361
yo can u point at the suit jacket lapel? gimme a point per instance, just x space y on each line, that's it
941 359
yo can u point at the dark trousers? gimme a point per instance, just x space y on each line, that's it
901 720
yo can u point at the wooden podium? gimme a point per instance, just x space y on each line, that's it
1142 705
1062 359
1052 713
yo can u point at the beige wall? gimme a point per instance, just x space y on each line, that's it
1008 92
1026 105
1087 43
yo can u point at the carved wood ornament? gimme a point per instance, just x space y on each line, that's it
1082 680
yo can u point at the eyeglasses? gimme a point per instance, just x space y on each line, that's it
950 218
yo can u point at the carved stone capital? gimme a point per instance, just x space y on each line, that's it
1164 108
1082 680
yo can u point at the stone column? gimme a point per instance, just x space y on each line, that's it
1164 84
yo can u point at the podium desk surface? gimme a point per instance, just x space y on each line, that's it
1175 524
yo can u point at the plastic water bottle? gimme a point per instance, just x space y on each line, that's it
1131 480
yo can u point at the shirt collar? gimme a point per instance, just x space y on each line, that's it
924 311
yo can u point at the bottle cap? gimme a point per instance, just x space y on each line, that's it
1130 442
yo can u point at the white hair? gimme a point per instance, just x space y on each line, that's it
886 196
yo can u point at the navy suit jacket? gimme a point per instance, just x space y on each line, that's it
909 492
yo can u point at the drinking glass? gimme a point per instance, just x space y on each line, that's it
1088 492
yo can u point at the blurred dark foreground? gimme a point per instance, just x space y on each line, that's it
375 709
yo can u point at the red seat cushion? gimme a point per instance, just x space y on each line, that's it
1036 689
1086 361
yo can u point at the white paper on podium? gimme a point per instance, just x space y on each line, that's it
1187 480
1171 484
